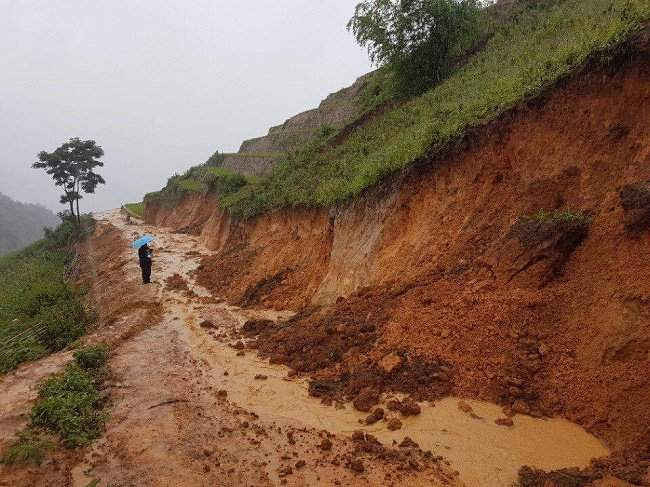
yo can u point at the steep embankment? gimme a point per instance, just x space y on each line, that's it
427 266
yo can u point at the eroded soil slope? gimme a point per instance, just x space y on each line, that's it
427 267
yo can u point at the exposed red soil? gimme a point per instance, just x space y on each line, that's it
427 267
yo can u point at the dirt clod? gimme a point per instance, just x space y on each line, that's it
366 399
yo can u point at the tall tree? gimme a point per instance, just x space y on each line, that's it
416 39
72 168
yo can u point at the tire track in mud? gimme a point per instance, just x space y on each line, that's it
214 392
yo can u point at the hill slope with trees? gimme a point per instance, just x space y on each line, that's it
22 223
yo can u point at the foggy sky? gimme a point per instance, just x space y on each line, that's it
160 85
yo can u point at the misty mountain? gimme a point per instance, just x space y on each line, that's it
22 223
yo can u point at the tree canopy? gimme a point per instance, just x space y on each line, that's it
72 168
417 39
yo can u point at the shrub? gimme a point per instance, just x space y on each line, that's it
223 181
69 404
93 357
29 447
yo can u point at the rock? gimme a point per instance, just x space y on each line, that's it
300 464
520 407
444 333
358 436
261 377
207 324
504 422
366 399
375 416
283 472
409 407
255 327
325 445
394 424
356 466
222 393
390 362
408 443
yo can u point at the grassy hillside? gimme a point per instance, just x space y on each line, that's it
527 53
40 312
22 223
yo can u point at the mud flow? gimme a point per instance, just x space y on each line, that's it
194 403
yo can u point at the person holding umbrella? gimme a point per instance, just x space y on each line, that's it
144 253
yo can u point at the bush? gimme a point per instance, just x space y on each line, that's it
223 181
93 357
69 404
418 39
29 447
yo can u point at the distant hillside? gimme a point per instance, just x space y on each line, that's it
22 223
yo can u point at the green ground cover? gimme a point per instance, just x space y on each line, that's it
40 311
69 408
526 53
136 209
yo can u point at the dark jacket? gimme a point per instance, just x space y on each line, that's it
144 253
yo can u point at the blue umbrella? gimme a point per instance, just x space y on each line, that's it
145 239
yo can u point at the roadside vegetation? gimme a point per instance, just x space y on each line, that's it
135 209
69 409
519 54
40 310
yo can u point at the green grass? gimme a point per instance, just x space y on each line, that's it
136 209
30 447
40 311
524 56
69 406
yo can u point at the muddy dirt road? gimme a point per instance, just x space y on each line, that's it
191 406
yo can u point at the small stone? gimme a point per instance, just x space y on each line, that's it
356 466
520 407
325 445
222 393
409 407
366 399
407 442
300 464
504 422
207 324
283 472
261 377
394 424
206 468
390 362
375 416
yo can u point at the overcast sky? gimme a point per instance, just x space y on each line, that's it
160 85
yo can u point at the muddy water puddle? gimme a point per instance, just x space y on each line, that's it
484 453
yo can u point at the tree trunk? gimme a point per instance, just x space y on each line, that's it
78 217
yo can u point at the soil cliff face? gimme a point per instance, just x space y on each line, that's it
431 265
